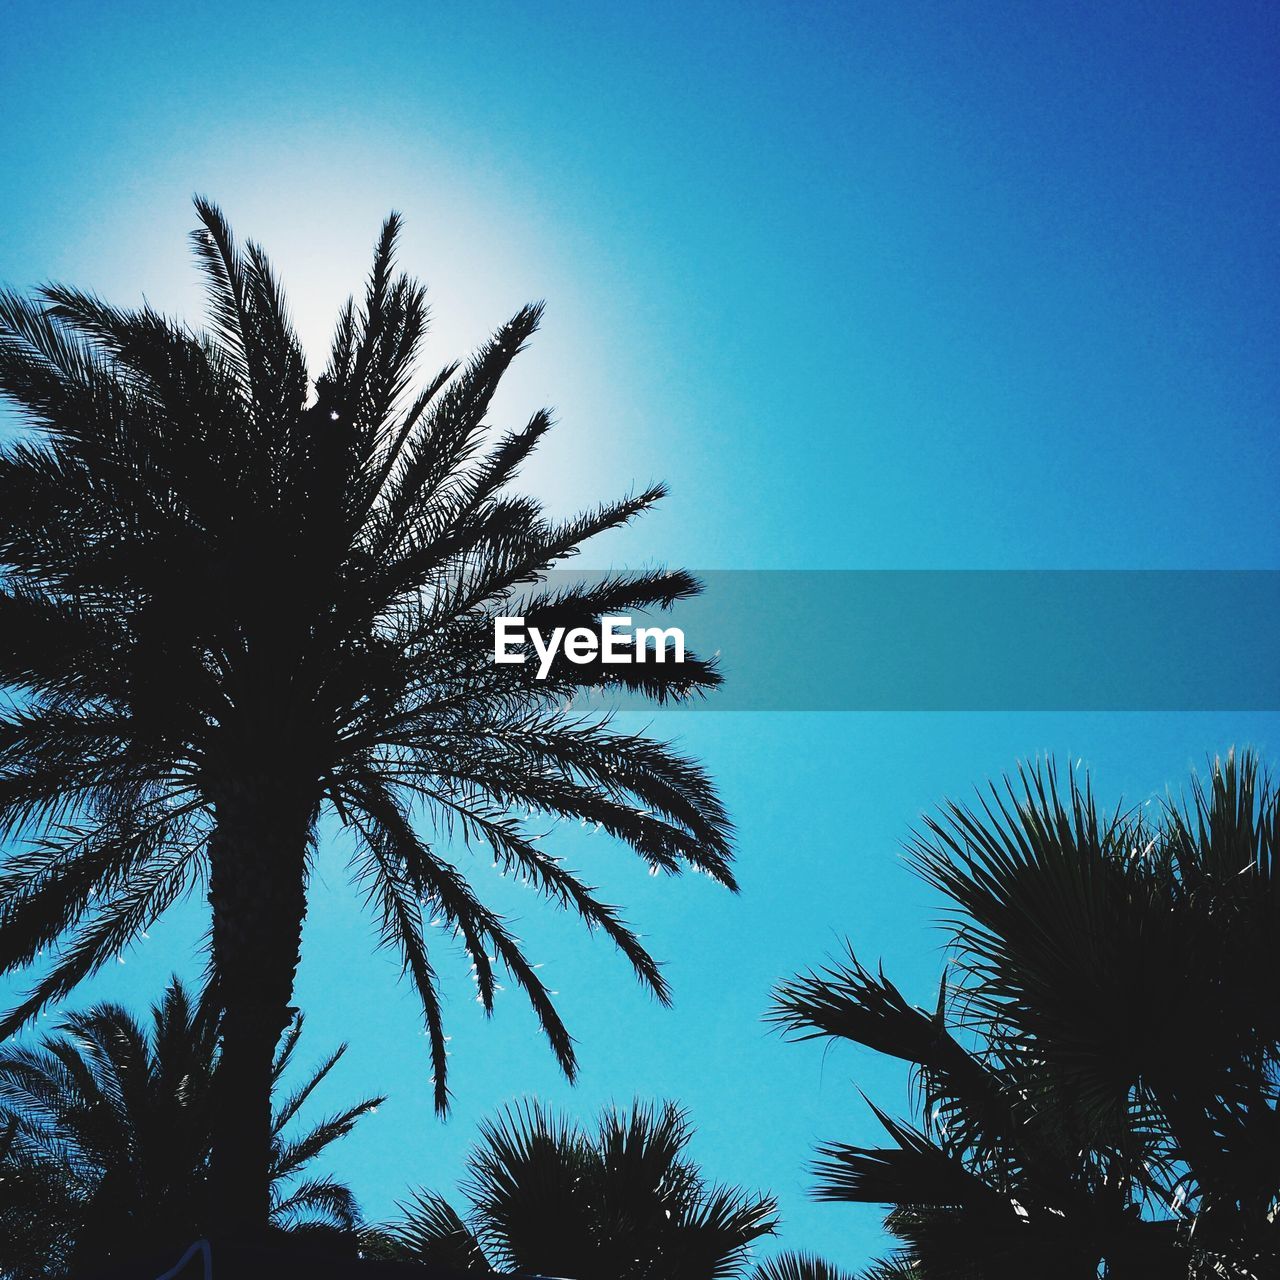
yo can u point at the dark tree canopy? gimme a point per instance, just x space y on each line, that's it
625 1201
1098 1076
108 1128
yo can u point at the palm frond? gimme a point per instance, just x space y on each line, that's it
430 1230
801 1266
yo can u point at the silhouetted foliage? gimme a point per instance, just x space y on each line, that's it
108 1127
233 597
798 1266
547 1198
1098 1080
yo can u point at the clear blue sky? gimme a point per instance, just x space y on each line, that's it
870 284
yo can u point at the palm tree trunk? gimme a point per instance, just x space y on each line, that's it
257 890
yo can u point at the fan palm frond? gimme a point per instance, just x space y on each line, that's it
547 1197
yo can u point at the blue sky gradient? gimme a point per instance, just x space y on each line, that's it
871 285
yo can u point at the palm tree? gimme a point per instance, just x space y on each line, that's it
1098 1080
108 1139
231 604
547 1198
801 1266
34 1222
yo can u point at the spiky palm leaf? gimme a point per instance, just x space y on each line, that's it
430 1231
549 1198
109 1123
798 1266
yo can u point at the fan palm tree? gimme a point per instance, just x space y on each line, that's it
233 600
1098 1078
547 1198
800 1266
108 1130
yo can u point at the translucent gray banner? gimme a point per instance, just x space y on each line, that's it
1070 640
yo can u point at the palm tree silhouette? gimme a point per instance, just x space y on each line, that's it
803 1266
547 1198
1098 1081
230 605
108 1131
